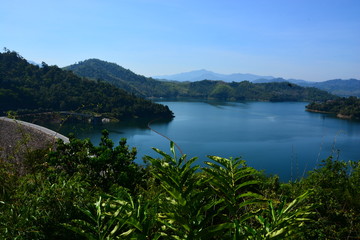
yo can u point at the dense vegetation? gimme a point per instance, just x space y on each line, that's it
28 88
342 107
82 191
206 89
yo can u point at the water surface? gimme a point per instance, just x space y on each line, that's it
280 138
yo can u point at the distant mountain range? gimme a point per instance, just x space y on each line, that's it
350 87
340 87
205 89
345 88
203 74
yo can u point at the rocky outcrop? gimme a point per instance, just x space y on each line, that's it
19 138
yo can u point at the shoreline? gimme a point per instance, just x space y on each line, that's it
318 111
338 115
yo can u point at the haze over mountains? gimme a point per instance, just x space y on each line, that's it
204 89
349 87
340 87
203 74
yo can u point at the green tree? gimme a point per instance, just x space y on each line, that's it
336 197
103 166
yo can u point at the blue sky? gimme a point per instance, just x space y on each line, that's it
314 40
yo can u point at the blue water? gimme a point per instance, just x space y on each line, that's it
279 138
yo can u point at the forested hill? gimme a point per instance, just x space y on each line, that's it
25 88
206 89
123 78
243 91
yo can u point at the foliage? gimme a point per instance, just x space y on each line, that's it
39 205
82 191
231 182
7 179
59 183
191 205
282 221
336 186
103 165
184 203
27 88
348 107
117 217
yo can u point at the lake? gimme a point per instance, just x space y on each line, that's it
279 138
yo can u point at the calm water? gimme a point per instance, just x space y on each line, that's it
280 138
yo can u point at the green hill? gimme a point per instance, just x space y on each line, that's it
27 88
247 91
123 78
206 89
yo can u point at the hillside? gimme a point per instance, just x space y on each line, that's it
123 78
27 88
206 89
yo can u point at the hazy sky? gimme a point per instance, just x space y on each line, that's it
314 40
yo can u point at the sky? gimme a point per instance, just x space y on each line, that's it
314 40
